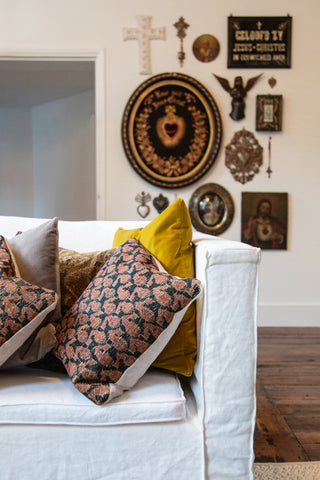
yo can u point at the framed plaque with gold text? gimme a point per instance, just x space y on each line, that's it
259 42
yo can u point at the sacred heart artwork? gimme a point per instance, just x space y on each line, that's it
171 130
171 127
264 219
143 209
160 203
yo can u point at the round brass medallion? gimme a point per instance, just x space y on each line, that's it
206 48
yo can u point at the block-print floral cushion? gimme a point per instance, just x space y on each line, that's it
76 272
21 302
168 238
121 322
24 306
7 267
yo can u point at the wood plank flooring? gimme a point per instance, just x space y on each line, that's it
288 395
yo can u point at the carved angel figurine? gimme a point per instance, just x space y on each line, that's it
238 93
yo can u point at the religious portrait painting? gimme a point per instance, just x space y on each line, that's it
264 220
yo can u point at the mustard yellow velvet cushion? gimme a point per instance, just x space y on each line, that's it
168 238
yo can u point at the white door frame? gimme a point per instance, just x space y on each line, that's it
98 57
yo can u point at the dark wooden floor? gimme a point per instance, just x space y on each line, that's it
288 395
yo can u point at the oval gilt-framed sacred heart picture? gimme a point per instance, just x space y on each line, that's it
171 130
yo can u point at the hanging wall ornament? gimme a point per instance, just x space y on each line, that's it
269 113
206 48
272 82
144 34
171 130
211 209
243 156
269 171
238 93
160 203
143 209
181 27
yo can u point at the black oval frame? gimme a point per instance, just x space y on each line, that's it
224 195
131 138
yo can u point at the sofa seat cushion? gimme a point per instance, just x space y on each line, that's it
32 396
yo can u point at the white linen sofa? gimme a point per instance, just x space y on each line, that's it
166 427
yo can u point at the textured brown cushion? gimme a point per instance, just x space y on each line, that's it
76 272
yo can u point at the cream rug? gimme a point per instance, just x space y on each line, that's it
287 471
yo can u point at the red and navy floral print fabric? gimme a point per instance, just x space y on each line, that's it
118 317
7 268
20 301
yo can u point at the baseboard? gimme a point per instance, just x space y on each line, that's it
289 316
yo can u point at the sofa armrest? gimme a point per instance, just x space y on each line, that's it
224 376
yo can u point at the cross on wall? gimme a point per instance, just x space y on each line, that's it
144 35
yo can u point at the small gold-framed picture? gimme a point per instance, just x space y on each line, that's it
211 209
269 113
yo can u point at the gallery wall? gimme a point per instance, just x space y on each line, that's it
289 292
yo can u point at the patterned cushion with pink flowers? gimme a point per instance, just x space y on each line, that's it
7 266
24 306
121 322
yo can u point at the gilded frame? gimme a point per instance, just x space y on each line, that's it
211 209
171 130
269 113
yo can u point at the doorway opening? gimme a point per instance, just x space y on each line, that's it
52 136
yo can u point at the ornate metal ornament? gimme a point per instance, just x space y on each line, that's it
238 93
171 130
211 209
206 48
160 203
272 82
143 209
181 27
243 156
144 35
269 171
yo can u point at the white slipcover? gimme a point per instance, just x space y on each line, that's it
203 431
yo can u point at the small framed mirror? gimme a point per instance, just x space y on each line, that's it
211 209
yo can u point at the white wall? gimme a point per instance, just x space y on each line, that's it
16 163
47 159
289 289
64 158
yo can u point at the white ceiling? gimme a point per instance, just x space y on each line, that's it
25 83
